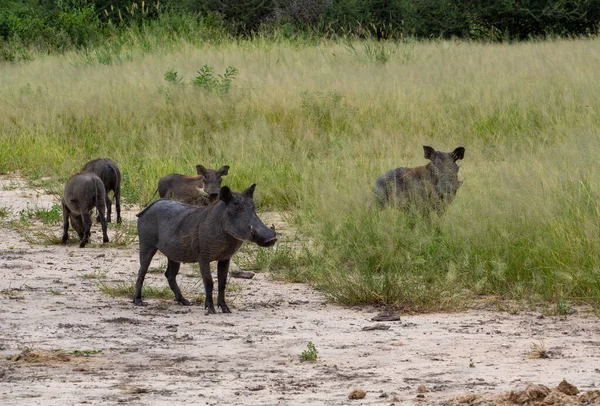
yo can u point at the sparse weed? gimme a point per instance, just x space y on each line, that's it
55 292
46 216
563 308
538 350
310 353
94 275
4 212
85 353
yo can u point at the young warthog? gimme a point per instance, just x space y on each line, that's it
432 186
199 190
83 192
108 171
186 233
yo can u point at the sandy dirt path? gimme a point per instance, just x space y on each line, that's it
168 354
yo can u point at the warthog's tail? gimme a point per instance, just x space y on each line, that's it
146 207
152 198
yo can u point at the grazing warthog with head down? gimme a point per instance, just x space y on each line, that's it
432 186
199 190
108 171
186 233
83 192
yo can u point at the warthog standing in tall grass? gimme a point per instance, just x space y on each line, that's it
83 192
108 171
199 190
186 233
431 187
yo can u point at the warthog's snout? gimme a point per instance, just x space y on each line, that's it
266 238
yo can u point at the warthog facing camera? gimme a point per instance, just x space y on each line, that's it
432 186
108 171
186 233
83 192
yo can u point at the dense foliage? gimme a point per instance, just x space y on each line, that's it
59 24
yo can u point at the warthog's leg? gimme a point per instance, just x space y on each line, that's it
146 254
171 274
208 286
87 226
222 270
65 213
108 208
103 223
117 197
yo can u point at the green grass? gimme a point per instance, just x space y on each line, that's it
314 126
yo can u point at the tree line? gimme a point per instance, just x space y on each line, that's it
61 24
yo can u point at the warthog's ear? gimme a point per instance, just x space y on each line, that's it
223 170
458 153
250 191
225 194
200 170
429 152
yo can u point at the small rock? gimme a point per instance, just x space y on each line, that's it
386 316
357 394
422 389
377 326
242 274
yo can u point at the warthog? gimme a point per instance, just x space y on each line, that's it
186 233
186 189
108 171
83 192
212 180
199 190
432 186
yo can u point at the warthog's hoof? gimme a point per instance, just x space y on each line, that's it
224 308
184 302
210 309
105 240
64 240
138 302
82 244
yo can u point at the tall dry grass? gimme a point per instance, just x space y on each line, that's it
314 126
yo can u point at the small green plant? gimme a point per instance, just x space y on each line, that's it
51 216
4 212
471 364
55 291
218 84
171 77
563 308
94 275
310 353
85 353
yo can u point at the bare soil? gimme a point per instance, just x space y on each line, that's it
63 341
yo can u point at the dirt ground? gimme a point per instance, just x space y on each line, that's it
64 342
